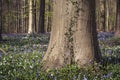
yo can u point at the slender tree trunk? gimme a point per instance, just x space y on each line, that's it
41 27
48 17
8 21
112 14
0 20
50 8
18 17
106 16
26 17
21 16
97 14
73 37
35 22
30 28
117 33
102 15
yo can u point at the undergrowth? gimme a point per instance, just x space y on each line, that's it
24 54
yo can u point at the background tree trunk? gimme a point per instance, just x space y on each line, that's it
30 28
106 15
35 12
73 37
117 34
0 20
41 27
48 16
102 15
50 9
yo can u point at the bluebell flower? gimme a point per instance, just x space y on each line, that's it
74 77
104 35
85 78
55 78
37 74
33 60
110 51
108 75
78 77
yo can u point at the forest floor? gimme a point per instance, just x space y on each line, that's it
24 52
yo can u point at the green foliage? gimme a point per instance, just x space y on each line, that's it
21 65
111 42
2 51
28 67
25 43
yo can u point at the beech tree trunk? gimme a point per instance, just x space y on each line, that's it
102 15
117 33
106 15
48 17
30 29
50 9
0 20
35 12
41 26
73 36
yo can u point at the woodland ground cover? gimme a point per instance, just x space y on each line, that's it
25 52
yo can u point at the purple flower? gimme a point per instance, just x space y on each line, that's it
55 78
85 78
74 77
108 75
109 51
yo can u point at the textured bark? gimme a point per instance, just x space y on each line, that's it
41 27
112 14
117 34
0 20
102 15
35 19
107 16
18 19
98 14
48 17
73 36
22 16
30 29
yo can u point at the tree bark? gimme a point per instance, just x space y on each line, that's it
73 36
41 27
117 33
1 20
102 15
35 12
48 17
106 16
30 28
